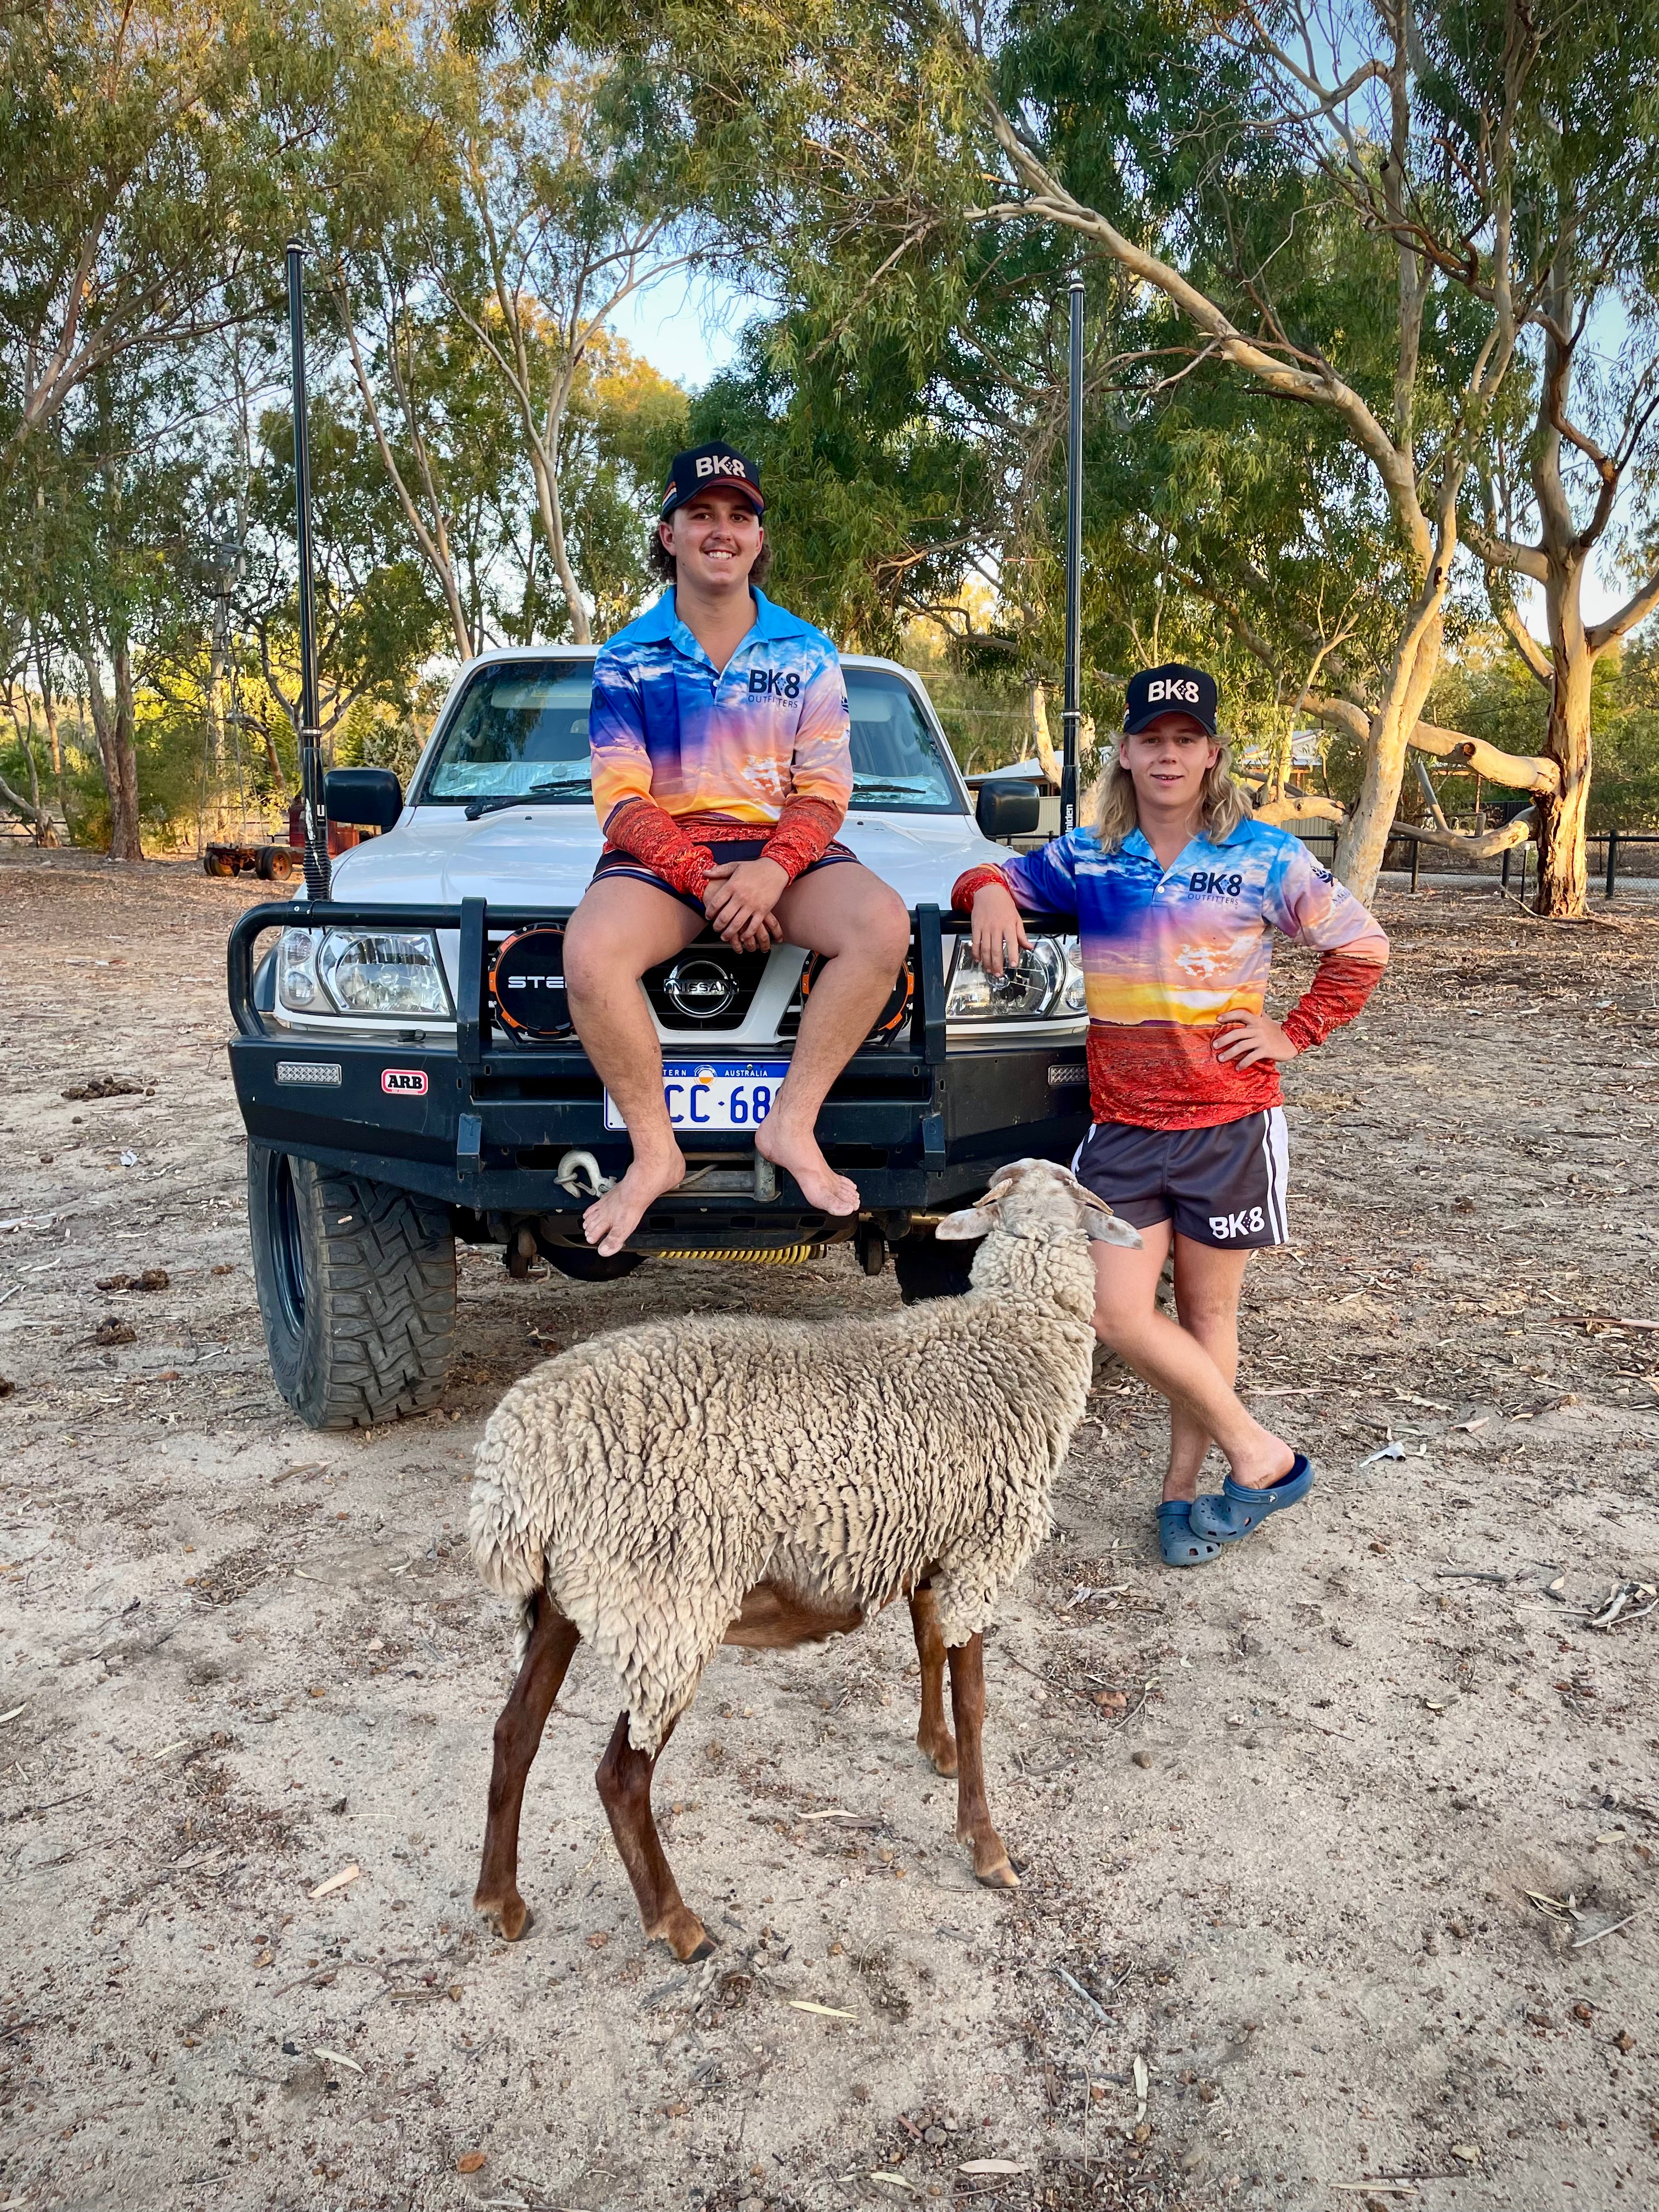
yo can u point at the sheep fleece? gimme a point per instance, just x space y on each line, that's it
650 1478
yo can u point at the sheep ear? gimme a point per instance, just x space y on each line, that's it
974 1221
1105 1228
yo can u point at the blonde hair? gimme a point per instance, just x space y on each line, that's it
1222 804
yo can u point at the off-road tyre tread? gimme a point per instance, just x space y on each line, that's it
379 1325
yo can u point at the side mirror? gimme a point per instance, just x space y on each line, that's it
1007 809
372 798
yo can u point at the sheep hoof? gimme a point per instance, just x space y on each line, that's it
1001 1876
684 1935
510 1916
943 1753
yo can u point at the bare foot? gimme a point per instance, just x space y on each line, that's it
1271 1464
611 1220
796 1152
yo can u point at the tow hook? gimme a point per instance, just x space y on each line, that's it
570 1170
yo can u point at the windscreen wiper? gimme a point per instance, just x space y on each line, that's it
865 793
572 787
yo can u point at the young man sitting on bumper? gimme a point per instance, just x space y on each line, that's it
721 773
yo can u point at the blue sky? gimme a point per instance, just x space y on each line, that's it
688 330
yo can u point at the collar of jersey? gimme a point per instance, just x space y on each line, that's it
660 625
1136 843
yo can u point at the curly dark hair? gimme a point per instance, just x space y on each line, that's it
661 563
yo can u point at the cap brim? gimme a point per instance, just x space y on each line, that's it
726 483
1133 727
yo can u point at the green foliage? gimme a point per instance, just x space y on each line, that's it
1485 690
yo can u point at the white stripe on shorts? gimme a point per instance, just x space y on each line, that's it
1276 1156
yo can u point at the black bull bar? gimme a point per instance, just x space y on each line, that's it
483 1123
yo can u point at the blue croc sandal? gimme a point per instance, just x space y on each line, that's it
1224 1519
1180 1542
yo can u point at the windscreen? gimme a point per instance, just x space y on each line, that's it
519 731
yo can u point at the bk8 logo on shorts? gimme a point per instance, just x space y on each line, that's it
1216 885
1250 1223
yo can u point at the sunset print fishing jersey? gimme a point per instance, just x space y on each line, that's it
1165 954
686 757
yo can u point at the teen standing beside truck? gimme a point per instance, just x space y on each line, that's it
1176 890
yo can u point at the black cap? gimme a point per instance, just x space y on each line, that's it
704 467
1172 689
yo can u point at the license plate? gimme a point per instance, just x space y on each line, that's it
714 1094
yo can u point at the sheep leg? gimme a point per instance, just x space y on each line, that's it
624 1785
934 1737
974 1826
518 1737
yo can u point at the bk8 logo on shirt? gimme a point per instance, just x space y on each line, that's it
775 683
1248 1224
1216 885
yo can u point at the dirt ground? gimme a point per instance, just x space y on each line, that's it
1341 1887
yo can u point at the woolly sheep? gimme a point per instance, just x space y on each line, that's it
663 1490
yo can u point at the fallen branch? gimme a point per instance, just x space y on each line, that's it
1584 1941
1076 1987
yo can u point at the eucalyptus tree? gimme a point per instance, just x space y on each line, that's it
1578 472
574 196
138 152
1321 202
378 616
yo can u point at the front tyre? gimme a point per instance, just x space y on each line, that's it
357 1285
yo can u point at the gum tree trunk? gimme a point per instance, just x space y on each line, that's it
113 724
1366 838
1563 862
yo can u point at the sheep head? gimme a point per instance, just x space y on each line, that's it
1043 1202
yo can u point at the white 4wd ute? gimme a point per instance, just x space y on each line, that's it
408 1074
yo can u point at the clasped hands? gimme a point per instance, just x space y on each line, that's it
738 899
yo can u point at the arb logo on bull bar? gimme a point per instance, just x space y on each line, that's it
404 1082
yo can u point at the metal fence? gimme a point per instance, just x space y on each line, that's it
1616 841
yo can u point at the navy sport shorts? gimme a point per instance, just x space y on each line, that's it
618 863
1224 1187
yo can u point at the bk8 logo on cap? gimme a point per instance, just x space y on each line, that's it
1173 687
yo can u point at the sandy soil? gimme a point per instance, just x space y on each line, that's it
1340 1851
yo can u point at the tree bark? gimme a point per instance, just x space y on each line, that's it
1562 862
1365 839
1036 702
1519 771
112 723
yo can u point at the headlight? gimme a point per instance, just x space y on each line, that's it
297 969
1035 986
353 971
366 973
